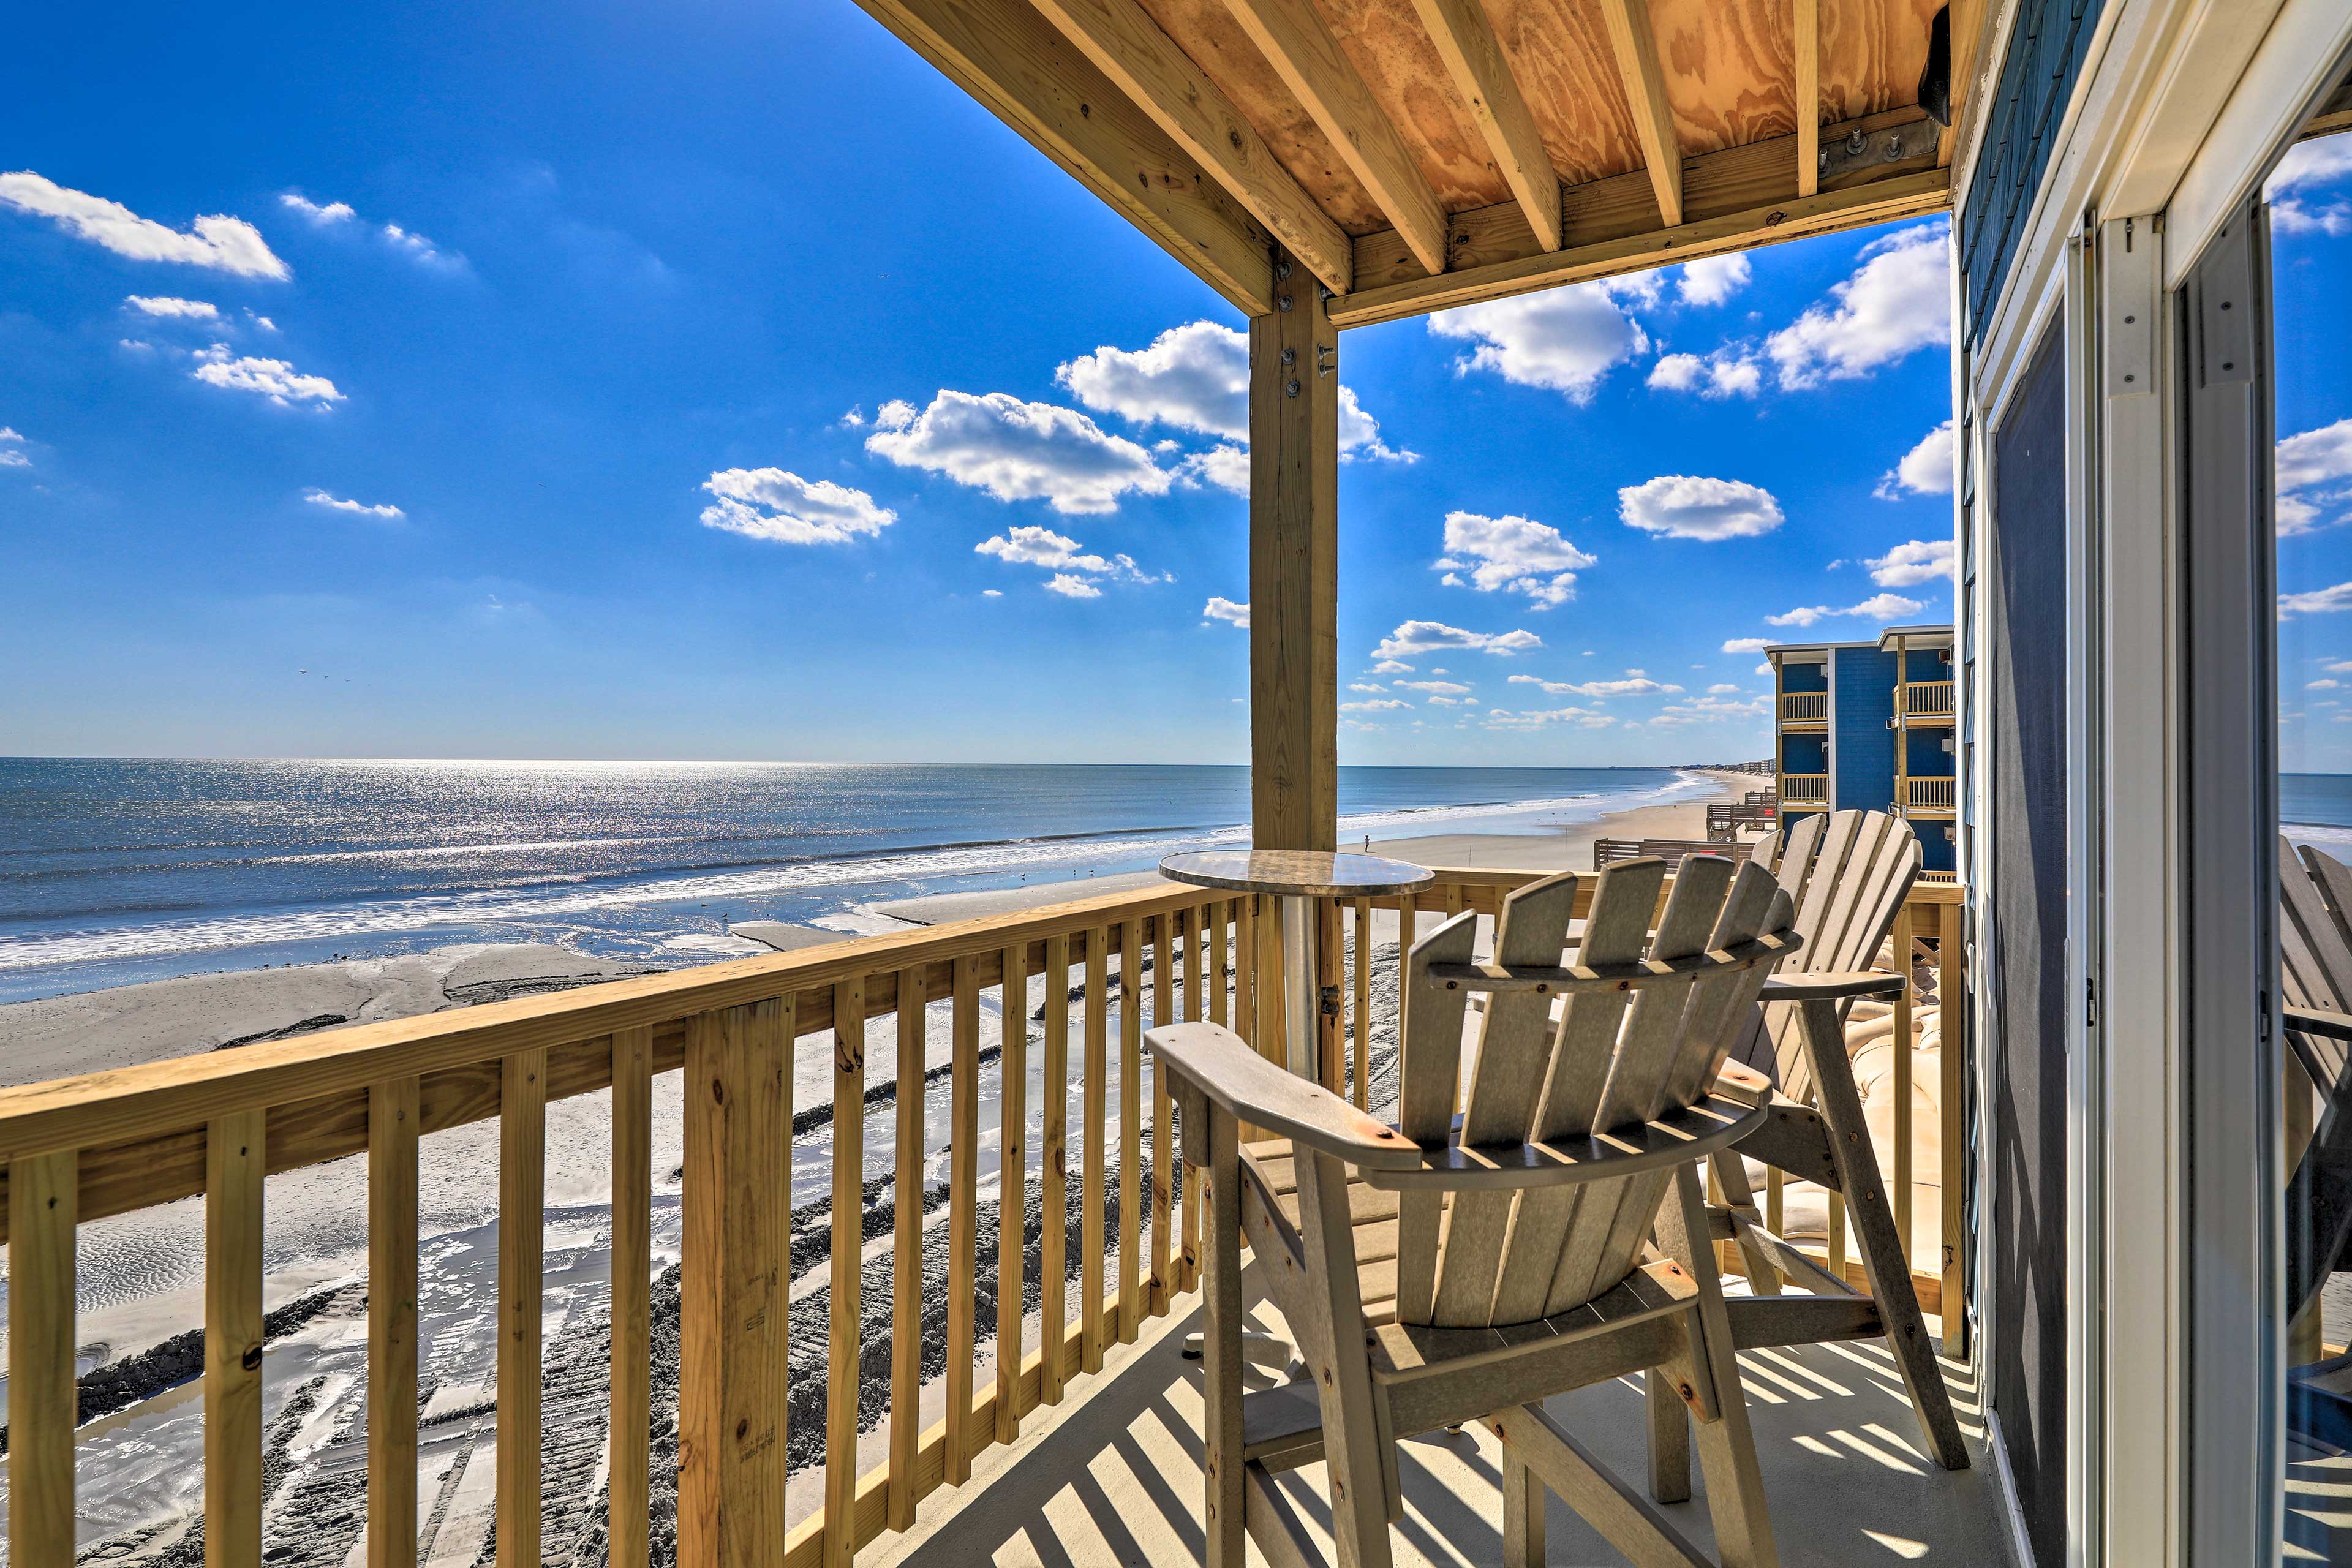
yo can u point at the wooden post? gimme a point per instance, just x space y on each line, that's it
523 1301
1951 983
630 1436
1293 567
44 1206
393 1127
234 1164
730 1394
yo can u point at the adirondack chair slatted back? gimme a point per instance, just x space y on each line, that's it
1610 1060
2316 951
1849 872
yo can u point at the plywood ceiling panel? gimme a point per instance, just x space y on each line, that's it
1872 53
1730 70
1558 50
1391 51
1206 31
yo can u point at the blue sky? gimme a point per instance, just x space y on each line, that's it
722 383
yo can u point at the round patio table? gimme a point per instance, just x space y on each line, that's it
1296 876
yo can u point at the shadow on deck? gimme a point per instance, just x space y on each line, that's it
1113 1476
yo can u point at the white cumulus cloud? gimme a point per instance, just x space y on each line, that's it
1514 553
1879 607
1914 562
272 378
1018 451
1746 645
1221 609
1224 465
1194 377
1926 469
221 242
318 496
2314 473
10 458
1070 586
2318 602
1435 687
169 309
1897 303
1685 506
331 212
1566 339
1726 373
1072 564
1423 636
785 508
1636 685
1712 280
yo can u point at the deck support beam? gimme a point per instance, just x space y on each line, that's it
1293 567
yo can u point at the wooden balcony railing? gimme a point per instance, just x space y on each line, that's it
1804 789
1924 699
1804 707
1930 795
80 1150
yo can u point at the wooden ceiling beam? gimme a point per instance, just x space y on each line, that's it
1740 198
1808 33
1127 46
1636 47
1969 26
1474 56
1026 74
1294 41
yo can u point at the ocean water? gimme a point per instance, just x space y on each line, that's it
118 870
2317 806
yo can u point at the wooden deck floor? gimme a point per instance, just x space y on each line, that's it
1114 1477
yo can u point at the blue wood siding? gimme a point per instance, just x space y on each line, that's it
1936 846
1866 746
1926 757
1804 678
1804 754
2044 59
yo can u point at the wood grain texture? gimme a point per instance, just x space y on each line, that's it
963 1218
1052 1164
629 1439
1127 46
43 1404
393 1120
1635 43
1092 1114
1297 41
522 1247
1293 579
1806 95
906 1269
1162 1281
731 1296
234 1164
1465 42
846 1255
1405 73
1012 1184
1012 61
1132 1091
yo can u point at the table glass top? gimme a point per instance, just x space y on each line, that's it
1308 873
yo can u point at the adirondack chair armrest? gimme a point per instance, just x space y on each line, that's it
1245 1085
1714 1122
1832 987
2319 1021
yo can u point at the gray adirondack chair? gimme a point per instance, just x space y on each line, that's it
1444 1270
2315 980
1847 874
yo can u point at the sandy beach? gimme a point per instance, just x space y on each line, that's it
141 1282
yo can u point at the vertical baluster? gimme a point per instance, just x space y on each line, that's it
630 1436
1218 959
964 1216
1329 1062
1052 1315
1196 1002
392 1110
1273 1016
1455 899
847 1261
44 1206
1093 1071
1408 908
1905 1020
906 1247
1011 1187
522 1188
1131 1199
1163 1012
1363 1002
733 1284
233 1166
